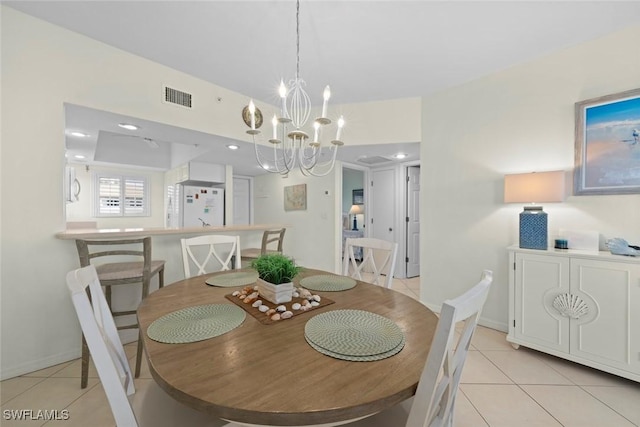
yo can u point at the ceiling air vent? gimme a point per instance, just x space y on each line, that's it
177 97
373 160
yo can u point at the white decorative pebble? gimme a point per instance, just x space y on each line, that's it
286 315
281 308
314 303
257 303
296 294
275 316
236 293
296 306
317 298
263 308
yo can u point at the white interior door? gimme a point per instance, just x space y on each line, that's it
241 201
383 209
413 221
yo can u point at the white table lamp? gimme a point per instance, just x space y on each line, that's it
355 210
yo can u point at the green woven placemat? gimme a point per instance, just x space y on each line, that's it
229 280
353 332
371 358
196 323
328 283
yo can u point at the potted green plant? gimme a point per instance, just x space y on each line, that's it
275 277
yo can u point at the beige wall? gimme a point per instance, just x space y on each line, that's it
518 120
44 66
313 234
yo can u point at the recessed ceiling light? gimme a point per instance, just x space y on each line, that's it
80 134
128 126
79 156
232 147
266 167
400 156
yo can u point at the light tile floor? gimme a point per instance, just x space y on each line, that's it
500 387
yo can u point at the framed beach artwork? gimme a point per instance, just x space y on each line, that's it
295 197
607 151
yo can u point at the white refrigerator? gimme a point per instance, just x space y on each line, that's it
201 206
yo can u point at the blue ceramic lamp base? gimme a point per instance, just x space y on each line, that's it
533 228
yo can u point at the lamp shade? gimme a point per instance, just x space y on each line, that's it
356 210
535 187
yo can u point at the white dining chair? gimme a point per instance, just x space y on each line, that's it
221 253
378 259
434 401
154 408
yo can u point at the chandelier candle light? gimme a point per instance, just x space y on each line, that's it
290 142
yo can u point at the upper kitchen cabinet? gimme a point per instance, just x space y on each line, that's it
197 173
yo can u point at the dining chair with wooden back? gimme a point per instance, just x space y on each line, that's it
271 244
120 271
210 253
378 261
434 402
153 407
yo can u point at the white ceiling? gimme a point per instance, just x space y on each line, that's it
365 50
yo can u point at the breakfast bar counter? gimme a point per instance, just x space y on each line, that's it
113 233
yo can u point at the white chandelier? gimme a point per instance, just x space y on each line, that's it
291 145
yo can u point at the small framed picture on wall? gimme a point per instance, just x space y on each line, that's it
358 197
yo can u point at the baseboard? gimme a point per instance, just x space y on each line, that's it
126 337
483 321
36 365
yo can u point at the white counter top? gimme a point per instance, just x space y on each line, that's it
108 233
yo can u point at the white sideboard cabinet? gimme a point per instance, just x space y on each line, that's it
581 306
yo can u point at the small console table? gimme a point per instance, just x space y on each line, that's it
578 305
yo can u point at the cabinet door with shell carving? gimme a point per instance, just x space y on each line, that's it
609 331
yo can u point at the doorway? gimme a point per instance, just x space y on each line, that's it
242 197
412 260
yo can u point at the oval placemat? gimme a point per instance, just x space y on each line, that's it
196 323
353 332
328 283
371 358
229 280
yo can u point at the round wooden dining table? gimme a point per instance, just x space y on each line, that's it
267 374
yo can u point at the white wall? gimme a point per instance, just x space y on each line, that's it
313 235
44 66
518 120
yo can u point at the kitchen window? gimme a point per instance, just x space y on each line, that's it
118 195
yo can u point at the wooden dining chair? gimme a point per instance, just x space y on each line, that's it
210 253
434 402
153 408
378 261
120 270
271 244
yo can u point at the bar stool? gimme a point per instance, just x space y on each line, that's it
120 273
269 237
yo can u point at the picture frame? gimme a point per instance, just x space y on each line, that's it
295 197
357 197
607 145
